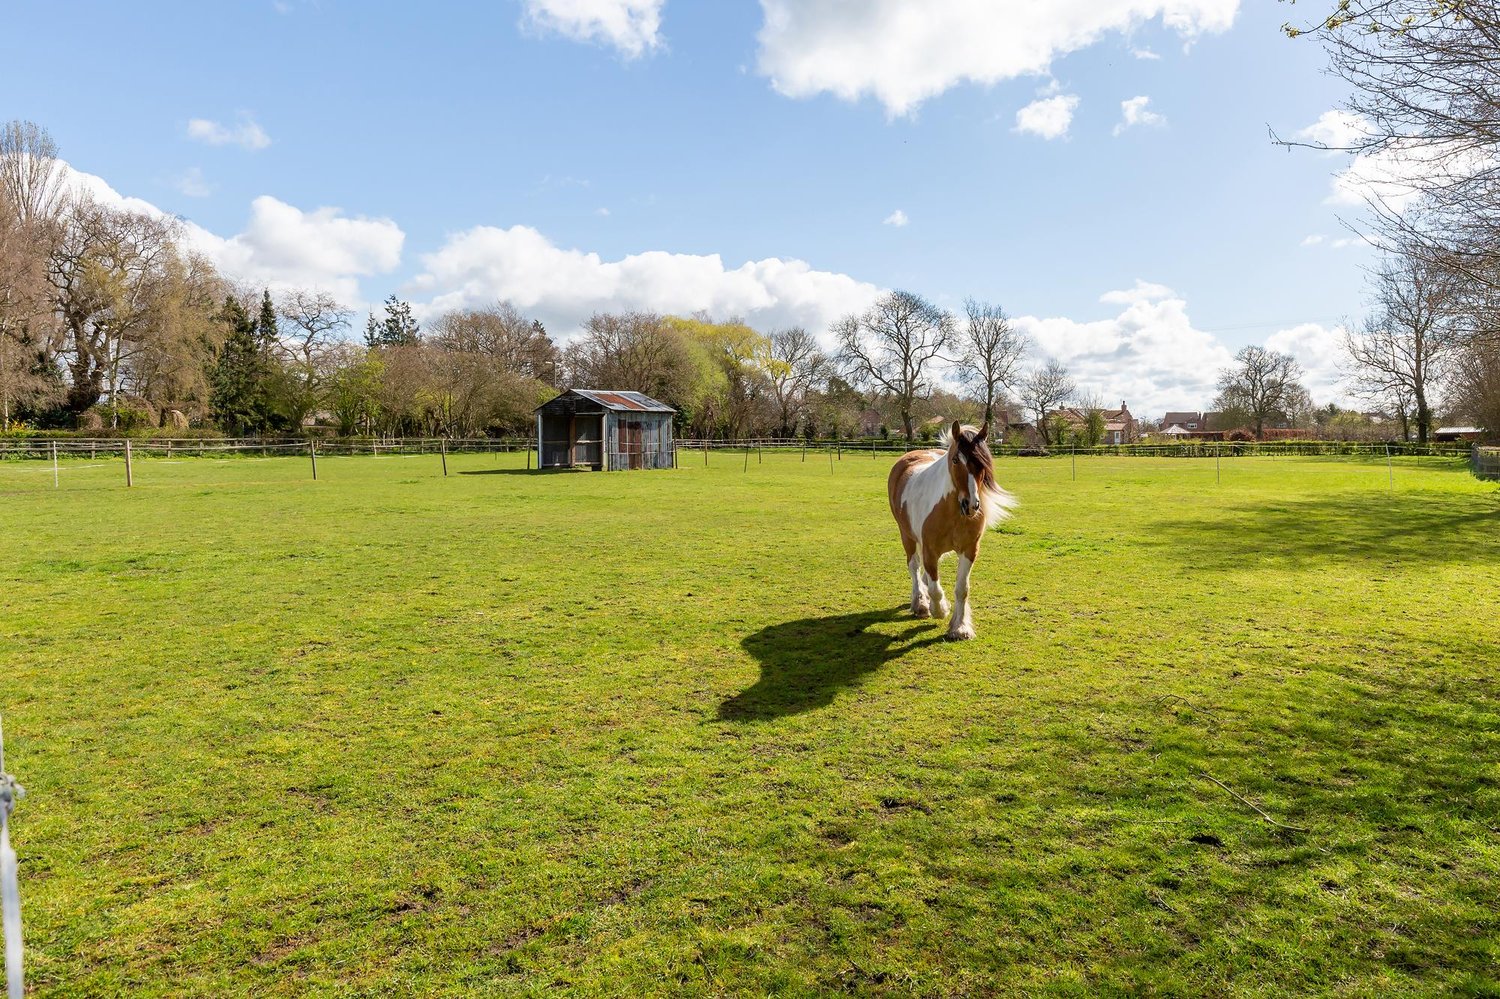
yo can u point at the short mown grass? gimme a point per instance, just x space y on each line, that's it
673 732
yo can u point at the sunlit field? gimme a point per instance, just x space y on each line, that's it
1227 732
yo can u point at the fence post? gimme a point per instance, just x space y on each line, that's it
804 451
747 457
129 476
312 452
443 450
55 483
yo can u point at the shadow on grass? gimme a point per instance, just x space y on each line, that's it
805 663
523 471
1406 528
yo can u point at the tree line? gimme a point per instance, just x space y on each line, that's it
107 320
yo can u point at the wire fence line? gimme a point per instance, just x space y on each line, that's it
1174 449
105 447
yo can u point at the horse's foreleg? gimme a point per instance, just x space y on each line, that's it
959 626
919 605
934 587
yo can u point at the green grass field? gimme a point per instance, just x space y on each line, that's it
673 732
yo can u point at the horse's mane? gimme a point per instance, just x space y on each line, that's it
981 452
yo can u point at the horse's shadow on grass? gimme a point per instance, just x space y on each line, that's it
805 663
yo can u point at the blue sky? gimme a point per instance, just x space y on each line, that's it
574 155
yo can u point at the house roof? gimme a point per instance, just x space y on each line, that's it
618 401
1459 430
1176 431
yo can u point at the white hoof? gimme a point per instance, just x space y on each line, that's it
960 633
942 609
921 610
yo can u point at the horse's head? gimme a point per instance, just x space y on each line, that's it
970 466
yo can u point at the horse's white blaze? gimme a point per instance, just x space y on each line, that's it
924 490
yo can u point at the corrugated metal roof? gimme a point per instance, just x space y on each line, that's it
628 402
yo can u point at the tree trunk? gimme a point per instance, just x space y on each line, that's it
911 437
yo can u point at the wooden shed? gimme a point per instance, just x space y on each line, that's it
605 431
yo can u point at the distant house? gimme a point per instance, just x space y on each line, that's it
1186 423
1119 425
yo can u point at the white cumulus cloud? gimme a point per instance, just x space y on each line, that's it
246 134
896 218
281 246
284 246
633 27
1134 112
1320 351
1394 174
1049 117
903 52
1149 355
565 286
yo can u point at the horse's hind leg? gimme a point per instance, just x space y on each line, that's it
934 587
919 605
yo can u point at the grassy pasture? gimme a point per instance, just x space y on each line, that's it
672 732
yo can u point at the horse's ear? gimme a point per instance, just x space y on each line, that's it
984 433
958 431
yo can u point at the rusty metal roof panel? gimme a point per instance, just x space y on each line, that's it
627 402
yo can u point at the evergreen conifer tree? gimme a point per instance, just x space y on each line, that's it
399 329
236 383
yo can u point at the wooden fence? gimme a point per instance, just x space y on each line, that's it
1485 462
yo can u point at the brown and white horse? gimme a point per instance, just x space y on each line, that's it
943 501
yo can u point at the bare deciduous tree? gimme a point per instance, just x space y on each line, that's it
31 175
795 366
1042 391
1424 89
1263 384
30 197
891 346
111 272
990 350
632 350
1400 355
312 322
